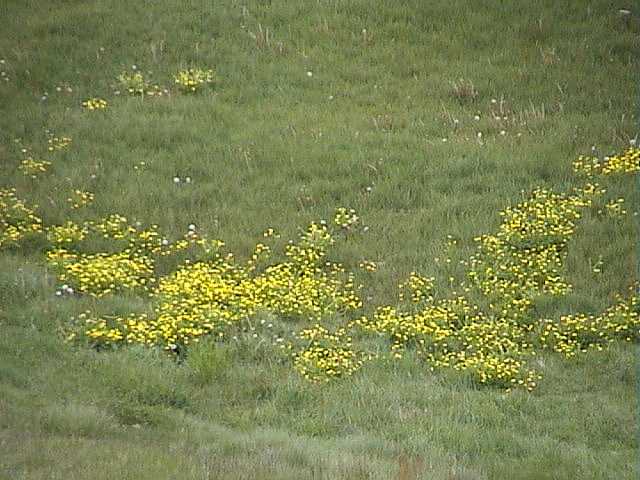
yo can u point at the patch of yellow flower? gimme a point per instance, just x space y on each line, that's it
419 288
136 84
102 273
193 79
615 208
17 219
368 266
206 297
95 103
345 218
67 233
494 340
326 355
522 260
58 143
80 198
33 168
627 162
573 334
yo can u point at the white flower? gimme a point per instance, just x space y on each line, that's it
134 67
632 141
58 293
503 132
176 179
187 179
479 134
165 241
192 227
309 73
476 117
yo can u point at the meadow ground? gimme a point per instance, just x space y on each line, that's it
426 118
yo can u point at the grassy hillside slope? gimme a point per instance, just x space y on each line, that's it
426 118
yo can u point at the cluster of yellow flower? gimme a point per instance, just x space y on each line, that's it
80 198
114 226
270 232
573 334
17 219
32 168
146 241
627 162
345 218
95 103
67 233
313 245
58 143
510 268
260 255
615 208
211 294
368 265
206 297
135 84
192 79
454 334
102 273
129 265
326 355
420 288
524 258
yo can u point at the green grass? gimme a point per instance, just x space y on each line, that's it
270 146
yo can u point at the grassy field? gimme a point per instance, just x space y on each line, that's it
426 118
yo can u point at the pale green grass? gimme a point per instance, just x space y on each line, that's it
270 146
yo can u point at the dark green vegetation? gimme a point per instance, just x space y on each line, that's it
271 146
